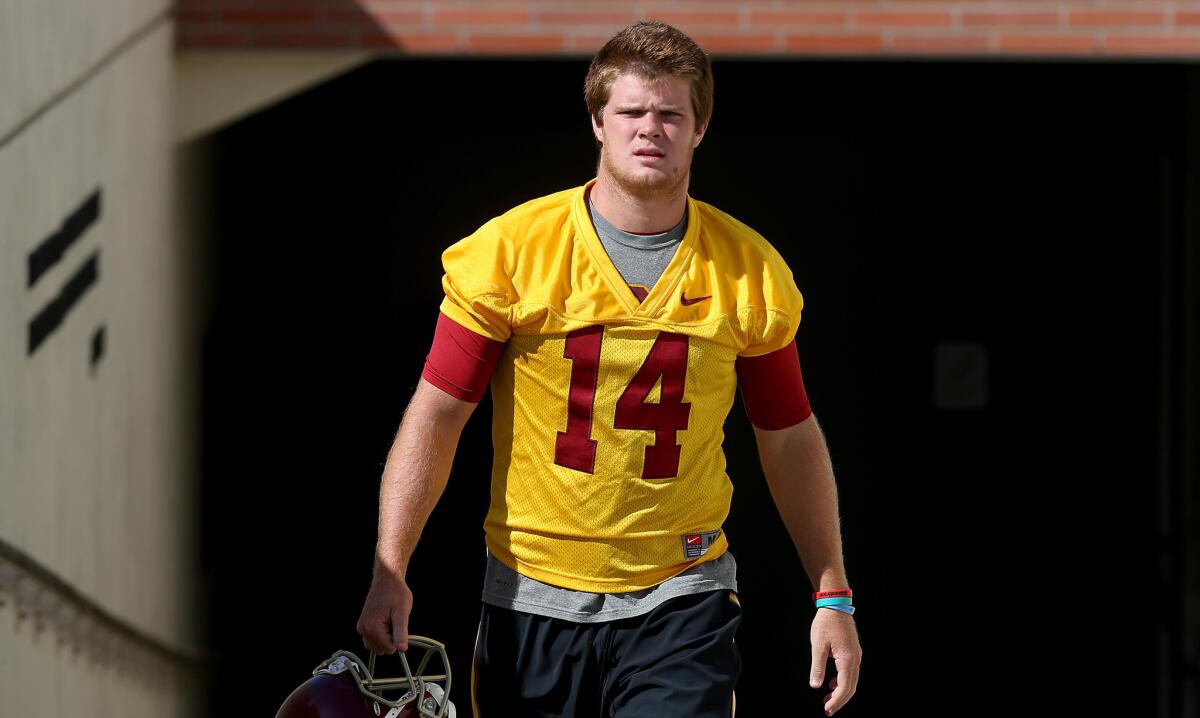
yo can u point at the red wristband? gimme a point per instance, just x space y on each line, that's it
838 593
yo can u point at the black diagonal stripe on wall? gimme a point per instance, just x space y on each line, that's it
97 345
47 254
52 314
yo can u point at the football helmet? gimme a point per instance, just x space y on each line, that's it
345 686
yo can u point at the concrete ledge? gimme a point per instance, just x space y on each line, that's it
215 89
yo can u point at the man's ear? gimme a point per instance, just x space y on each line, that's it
597 130
699 135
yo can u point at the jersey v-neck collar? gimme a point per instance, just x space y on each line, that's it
663 288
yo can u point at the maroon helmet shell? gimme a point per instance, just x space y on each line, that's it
344 687
327 696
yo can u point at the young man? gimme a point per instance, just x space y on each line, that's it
615 322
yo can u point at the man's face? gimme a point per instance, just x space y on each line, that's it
648 135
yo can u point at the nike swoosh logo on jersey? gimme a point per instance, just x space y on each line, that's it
689 302
693 539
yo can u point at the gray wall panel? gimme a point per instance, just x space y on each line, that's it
97 456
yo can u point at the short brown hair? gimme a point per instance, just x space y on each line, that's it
650 49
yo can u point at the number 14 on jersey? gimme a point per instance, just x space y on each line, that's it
667 360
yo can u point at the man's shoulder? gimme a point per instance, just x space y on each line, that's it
744 265
728 237
537 221
550 207
503 244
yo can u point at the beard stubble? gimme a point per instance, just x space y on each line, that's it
645 187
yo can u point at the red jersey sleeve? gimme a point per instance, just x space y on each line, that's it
460 362
772 388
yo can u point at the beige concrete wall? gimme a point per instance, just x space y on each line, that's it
98 464
216 89
46 45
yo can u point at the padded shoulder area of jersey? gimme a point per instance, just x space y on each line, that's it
748 282
746 269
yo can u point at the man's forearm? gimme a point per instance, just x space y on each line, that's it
417 468
799 473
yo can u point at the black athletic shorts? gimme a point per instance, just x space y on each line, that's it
677 661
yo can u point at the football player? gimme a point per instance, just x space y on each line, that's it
615 321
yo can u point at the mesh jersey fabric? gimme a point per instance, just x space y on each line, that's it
608 414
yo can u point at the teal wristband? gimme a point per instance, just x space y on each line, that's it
843 609
827 602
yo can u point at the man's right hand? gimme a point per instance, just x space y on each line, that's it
384 620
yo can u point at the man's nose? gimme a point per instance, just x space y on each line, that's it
651 126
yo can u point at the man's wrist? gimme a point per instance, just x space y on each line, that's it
834 592
831 580
394 564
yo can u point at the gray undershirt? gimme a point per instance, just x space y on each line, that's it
641 259
506 588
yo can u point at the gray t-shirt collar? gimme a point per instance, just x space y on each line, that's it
637 241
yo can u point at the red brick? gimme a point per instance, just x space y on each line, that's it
776 18
309 5
413 43
903 19
585 17
1046 44
377 40
518 17
207 6
211 39
1009 19
1151 45
1111 18
941 44
379 17
835 43
373 6
194 17
694 18
269 17
587 43
734 44
431 43
1138 27
379 9
516 44
302 39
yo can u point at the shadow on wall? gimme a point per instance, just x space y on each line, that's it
302 24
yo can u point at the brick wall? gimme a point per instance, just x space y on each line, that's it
1096 28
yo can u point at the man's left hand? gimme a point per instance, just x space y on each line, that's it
834 633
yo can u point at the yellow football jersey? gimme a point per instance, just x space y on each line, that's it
608 412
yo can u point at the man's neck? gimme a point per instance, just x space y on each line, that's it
634 214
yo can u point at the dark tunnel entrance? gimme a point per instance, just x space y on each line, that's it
993 258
